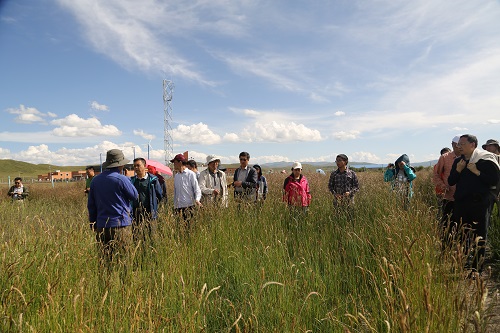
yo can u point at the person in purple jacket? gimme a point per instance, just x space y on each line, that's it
109 206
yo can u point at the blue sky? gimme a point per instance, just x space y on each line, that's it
283 80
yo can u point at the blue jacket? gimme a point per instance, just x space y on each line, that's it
109 199
155 193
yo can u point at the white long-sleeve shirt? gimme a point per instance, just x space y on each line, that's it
186 189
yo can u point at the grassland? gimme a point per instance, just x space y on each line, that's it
29 171
241 270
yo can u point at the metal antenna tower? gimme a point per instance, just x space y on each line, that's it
168 89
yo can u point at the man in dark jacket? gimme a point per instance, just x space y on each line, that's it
245 180
474 173
145 207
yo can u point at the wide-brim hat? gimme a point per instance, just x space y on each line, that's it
212 158
114 158
491 142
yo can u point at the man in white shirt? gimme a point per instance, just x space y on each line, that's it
187 193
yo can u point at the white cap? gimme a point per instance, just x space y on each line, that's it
456 139
211 158
296 165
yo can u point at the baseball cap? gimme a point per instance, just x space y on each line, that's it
178 157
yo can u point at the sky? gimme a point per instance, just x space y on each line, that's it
285 80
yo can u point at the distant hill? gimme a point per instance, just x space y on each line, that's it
27 170
315 165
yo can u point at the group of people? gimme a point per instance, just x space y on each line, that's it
467 183
466 178
117 222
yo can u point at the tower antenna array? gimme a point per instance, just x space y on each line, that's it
168 89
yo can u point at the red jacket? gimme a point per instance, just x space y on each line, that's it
297 193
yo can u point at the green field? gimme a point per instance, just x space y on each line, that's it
28 171
244 270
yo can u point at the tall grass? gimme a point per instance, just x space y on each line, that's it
240 269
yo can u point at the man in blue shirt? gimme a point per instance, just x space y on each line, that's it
109 206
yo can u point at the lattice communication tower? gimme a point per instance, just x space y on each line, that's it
168 89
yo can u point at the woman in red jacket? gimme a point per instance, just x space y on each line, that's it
296 187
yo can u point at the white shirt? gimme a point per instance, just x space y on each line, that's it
186 189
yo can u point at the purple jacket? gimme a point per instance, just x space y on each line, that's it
109 199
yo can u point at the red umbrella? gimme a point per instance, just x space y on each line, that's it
161 168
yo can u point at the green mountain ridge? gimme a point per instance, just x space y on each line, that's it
14 168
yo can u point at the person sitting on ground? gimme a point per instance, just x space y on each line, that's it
18 191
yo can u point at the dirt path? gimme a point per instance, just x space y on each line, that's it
493 301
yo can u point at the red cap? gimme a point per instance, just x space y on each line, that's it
178 157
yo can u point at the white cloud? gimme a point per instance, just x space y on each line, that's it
281 132
257 132
98 107
339 113
143 134
195 134
130 33
28 115
269 159
29 118
81 156
5 153
493 121
363 156
74 126
231 137
459 129
346 135
51 115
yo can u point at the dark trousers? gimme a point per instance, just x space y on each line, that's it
113 244
143 226
473 216
186 214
